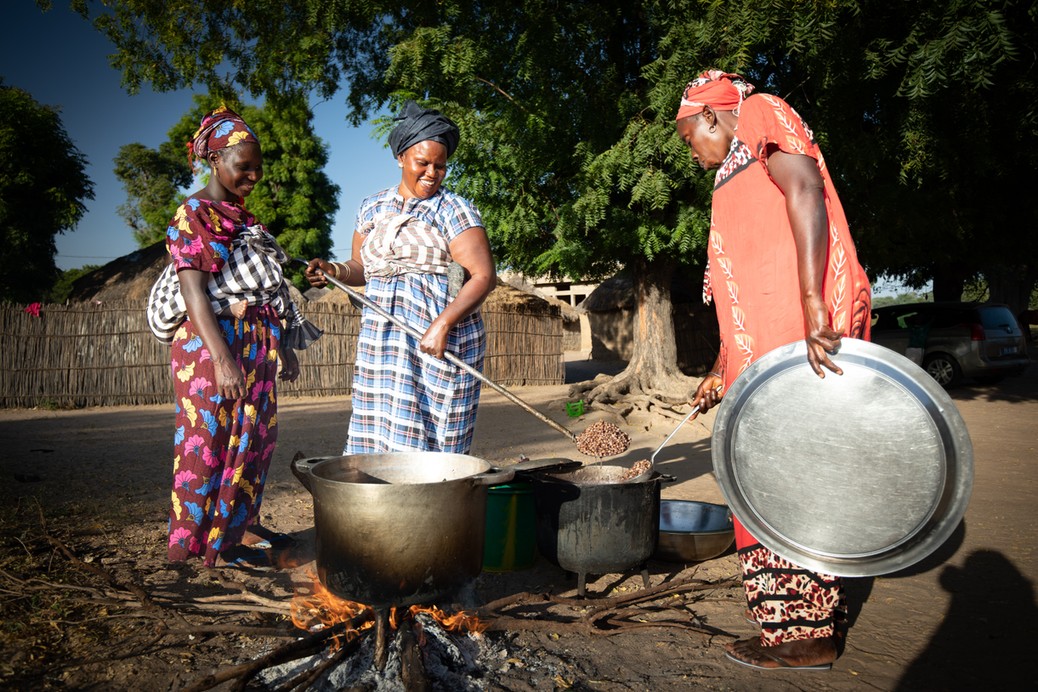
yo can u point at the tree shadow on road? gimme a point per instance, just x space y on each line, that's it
1018 389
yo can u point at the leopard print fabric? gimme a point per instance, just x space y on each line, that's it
790 603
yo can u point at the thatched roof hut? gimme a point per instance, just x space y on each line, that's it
129 277
106 315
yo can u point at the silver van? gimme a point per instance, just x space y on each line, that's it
982 342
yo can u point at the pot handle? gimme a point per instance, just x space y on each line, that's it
303 469
493 477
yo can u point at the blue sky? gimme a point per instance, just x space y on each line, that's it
63 62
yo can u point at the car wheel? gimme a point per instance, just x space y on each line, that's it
943 368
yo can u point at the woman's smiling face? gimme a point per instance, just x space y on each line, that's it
424 168
239 168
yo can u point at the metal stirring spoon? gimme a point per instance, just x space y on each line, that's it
652 459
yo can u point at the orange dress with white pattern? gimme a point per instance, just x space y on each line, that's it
754 280
753 263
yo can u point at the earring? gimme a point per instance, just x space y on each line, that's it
399 165
712 128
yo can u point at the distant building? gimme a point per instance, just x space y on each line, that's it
564 289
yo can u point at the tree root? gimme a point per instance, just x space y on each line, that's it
606 616
633 391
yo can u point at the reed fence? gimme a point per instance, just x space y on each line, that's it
103 354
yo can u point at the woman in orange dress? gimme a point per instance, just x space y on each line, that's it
781 267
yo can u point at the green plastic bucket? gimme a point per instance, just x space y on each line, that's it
510 541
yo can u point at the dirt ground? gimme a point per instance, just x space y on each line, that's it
90 603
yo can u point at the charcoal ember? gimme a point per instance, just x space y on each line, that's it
637 469
603 439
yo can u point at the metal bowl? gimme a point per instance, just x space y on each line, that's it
693 531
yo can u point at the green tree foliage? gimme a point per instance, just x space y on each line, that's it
573 163
43 186
62 288
927 114
567 114
154 180
295 200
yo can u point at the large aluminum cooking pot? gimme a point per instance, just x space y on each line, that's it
592 521
400 528
858 474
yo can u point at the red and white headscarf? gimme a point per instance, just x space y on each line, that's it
722 91
219 129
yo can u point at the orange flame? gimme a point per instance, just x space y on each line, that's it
318 608
458 622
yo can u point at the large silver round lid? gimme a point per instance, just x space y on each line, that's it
855 475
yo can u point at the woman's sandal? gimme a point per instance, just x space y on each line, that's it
246 557
280 541
270 540
782 663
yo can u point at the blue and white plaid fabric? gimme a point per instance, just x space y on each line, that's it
251 274
403 399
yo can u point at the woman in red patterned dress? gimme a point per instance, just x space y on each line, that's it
224 365
782 267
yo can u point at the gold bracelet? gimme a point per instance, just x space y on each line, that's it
335 270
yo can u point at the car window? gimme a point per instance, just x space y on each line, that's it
952 317
1000 318
909 319
900 318
884 320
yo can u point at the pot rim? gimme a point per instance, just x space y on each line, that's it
481 472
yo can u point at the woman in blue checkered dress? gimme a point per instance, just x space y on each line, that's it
406 397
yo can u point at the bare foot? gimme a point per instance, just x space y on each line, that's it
806 653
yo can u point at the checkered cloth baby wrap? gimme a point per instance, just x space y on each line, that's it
401 244
252 273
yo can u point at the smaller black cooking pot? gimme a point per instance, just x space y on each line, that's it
592 521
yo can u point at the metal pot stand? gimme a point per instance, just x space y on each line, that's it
855 475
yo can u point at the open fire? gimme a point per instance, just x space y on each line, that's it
319 608
411 646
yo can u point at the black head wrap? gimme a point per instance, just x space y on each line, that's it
419 124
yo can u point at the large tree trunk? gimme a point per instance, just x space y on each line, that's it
1012 286
652 380
949 280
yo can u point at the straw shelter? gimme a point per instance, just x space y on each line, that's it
525 334
98 350
127 278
